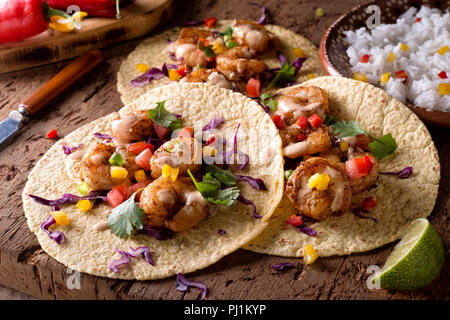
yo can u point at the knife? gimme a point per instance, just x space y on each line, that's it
57 85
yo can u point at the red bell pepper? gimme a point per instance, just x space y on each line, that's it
279 123
295 220
315 120
302 122
253 87
21 19
365 58
210 22
358 167
97 8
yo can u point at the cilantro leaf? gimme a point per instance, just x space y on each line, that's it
209 183
268 101
207 50
163 117
383 146
228 33
126 218
227 177
329 120
286 75
349 129
224 197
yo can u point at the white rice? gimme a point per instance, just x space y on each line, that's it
421 61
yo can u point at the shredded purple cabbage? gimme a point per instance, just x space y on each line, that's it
405 173
172 66
102 136
156 142
359 213
240 198
193 23
56 236
298 63
307 230
115 264
265 108
263 18
143 251
214 123
172 56
152 74
157 233
255 183
221 232
281 58
68 150
67 198
243 158
183 285
282 265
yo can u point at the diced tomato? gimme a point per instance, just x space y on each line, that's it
315 120
210 22
135 187
301 137
161 132
183 70
253 87
52 134
211 59
185 132
418 19
138 147
295 220
368 203
442 75
279 123
402 75
358 167
115 197
123 189
302 122
365 58
143 159
210 140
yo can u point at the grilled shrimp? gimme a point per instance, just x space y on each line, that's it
211 76
363 183
95 167
317 141
304 101
134 126
253 35
237 64
182 152
319 204
175 205
185 47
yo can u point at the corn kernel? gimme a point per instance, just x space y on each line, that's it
443 50
140 175
174 174
174 75
309 254
299 53
404 47
209 151
384 78
391 57
360 76
142 67
60 217
311 76
444 88
118 172
218 48
84 205
343 146
166 171
319 181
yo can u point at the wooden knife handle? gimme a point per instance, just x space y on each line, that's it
62 81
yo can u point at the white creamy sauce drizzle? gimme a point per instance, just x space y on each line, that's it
296 149
166 197
194 196
289 109
337 186
72 165
121 128
219 80
101 226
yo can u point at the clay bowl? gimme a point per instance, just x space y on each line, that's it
332 50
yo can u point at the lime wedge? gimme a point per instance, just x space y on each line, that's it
415 261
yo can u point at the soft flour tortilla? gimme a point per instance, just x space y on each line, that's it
398 201
90 251
151 52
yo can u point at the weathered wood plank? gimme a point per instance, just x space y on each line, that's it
241 275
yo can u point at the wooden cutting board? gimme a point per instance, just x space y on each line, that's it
138 18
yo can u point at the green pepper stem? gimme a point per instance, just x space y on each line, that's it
49 12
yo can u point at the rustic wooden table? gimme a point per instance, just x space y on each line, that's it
241 275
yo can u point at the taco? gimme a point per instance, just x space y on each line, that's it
138 182
360 166
235 54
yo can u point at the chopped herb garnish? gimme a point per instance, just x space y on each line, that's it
207 50
116 159
384 146
227 34
231 44
224 197
163 117
329 120
227 177
126 218
286 75
268 101
349 129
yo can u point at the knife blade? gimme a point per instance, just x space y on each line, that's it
53 88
